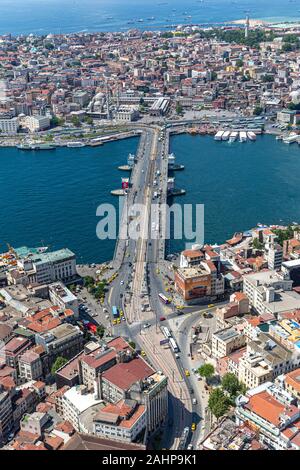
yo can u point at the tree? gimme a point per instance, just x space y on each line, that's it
206 370
178 108
88 120
89 282
75 121
287 47
132 344
239 63
58 363
100 330
218 403
257 245
257 110
230 383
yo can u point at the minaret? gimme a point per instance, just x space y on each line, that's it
247 27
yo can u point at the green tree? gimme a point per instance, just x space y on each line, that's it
218 403
100 330
88 120
58 363
257 245
132 344
257 110
88 282
206 370
239 63
287 47
230 383
178 108
75 121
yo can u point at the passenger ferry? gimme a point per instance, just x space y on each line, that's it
75 144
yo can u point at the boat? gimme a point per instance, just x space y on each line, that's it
218 135
226 135
243 136
290 139
233 136
75 144
36 146
251 135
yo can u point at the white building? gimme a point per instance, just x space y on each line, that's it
63 297
75 401
275 256
37 123
9 126
127 113
44 268
271 292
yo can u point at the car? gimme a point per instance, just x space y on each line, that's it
177 356
194 426
118 320
121 283
114 322
147 325
162 318
123 318
107 317
190 447
187 373
143 353
194 401
211 305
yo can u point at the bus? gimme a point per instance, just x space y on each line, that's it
173 345
166 332
115 312
91 327
163 298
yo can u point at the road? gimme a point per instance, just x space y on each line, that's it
137 284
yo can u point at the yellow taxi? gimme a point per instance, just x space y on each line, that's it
118 320
179 307
194 426
121 313
211 305
143 353
114 322
187 373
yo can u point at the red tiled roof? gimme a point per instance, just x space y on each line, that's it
125 374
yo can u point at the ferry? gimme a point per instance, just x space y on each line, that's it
243 136
37 146
226 135
218 135
233 136
75 144
251 135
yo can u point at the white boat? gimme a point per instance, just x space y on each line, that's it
226 135
291 139
218 135
233 136
251 135
75 144
243 136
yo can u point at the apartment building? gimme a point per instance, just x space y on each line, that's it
193 283
124 421
61 296
65 340
30 366
13 349
226 341
6 415
9 126
75 401
272 416
270 292
37 123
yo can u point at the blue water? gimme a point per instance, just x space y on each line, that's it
240 184
50 197
67 16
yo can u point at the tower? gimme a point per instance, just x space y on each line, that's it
247 27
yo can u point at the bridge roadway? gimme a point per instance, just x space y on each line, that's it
137 261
